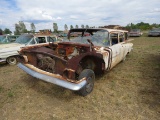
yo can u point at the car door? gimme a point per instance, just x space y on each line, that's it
117 49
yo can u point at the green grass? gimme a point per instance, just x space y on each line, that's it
1 89
10 94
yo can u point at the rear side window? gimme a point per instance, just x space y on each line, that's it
41 40
114 38
51 39
121 37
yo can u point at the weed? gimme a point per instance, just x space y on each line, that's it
10 94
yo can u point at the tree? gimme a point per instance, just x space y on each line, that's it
76 26
7 31
33 28
17 29
87 26
20 28
65 27
55 27
1 31
82 26
71 27
141 25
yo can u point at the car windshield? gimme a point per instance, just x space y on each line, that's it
24 39
155 29
100 38
2 38
135 30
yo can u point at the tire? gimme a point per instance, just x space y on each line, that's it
90 77
12 60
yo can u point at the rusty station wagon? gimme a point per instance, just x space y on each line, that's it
73 64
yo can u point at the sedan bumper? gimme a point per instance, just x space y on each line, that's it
54 80
2 60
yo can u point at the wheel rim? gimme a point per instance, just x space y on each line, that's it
12 60
89 85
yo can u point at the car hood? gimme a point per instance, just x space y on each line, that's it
2 46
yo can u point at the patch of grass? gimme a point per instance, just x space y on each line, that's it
1 89
11 94
112 84
24 108
8 71
157 66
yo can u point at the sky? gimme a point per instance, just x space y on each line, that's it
43 13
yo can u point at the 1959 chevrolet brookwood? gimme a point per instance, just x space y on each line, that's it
74 63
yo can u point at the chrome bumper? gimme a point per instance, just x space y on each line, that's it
47 78
3 60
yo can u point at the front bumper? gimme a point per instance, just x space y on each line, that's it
134 35
154 34
2 60
54 80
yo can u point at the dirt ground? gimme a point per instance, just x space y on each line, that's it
130 91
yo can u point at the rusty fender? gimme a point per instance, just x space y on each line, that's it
52 78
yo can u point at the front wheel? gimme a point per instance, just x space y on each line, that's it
12 60
90 77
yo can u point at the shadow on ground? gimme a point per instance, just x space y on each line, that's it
150 92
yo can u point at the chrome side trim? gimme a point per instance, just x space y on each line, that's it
57 81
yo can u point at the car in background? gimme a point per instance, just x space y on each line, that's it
8 38
135 33
73 64
154 32
9 52
62 35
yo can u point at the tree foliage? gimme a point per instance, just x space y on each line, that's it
71 27
142 26
76 26
65 27
20 27
1 31
55 27
87 26
82 26
7 31
33 28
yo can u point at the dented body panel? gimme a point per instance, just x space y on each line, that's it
62 63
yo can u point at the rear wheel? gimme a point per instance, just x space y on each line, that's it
90 77
12 60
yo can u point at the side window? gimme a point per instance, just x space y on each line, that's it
12 38
126 35
51 39
114 38
41 40
121 37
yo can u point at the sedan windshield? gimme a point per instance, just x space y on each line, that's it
155 30
24 39
100 38
135 30
2 39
